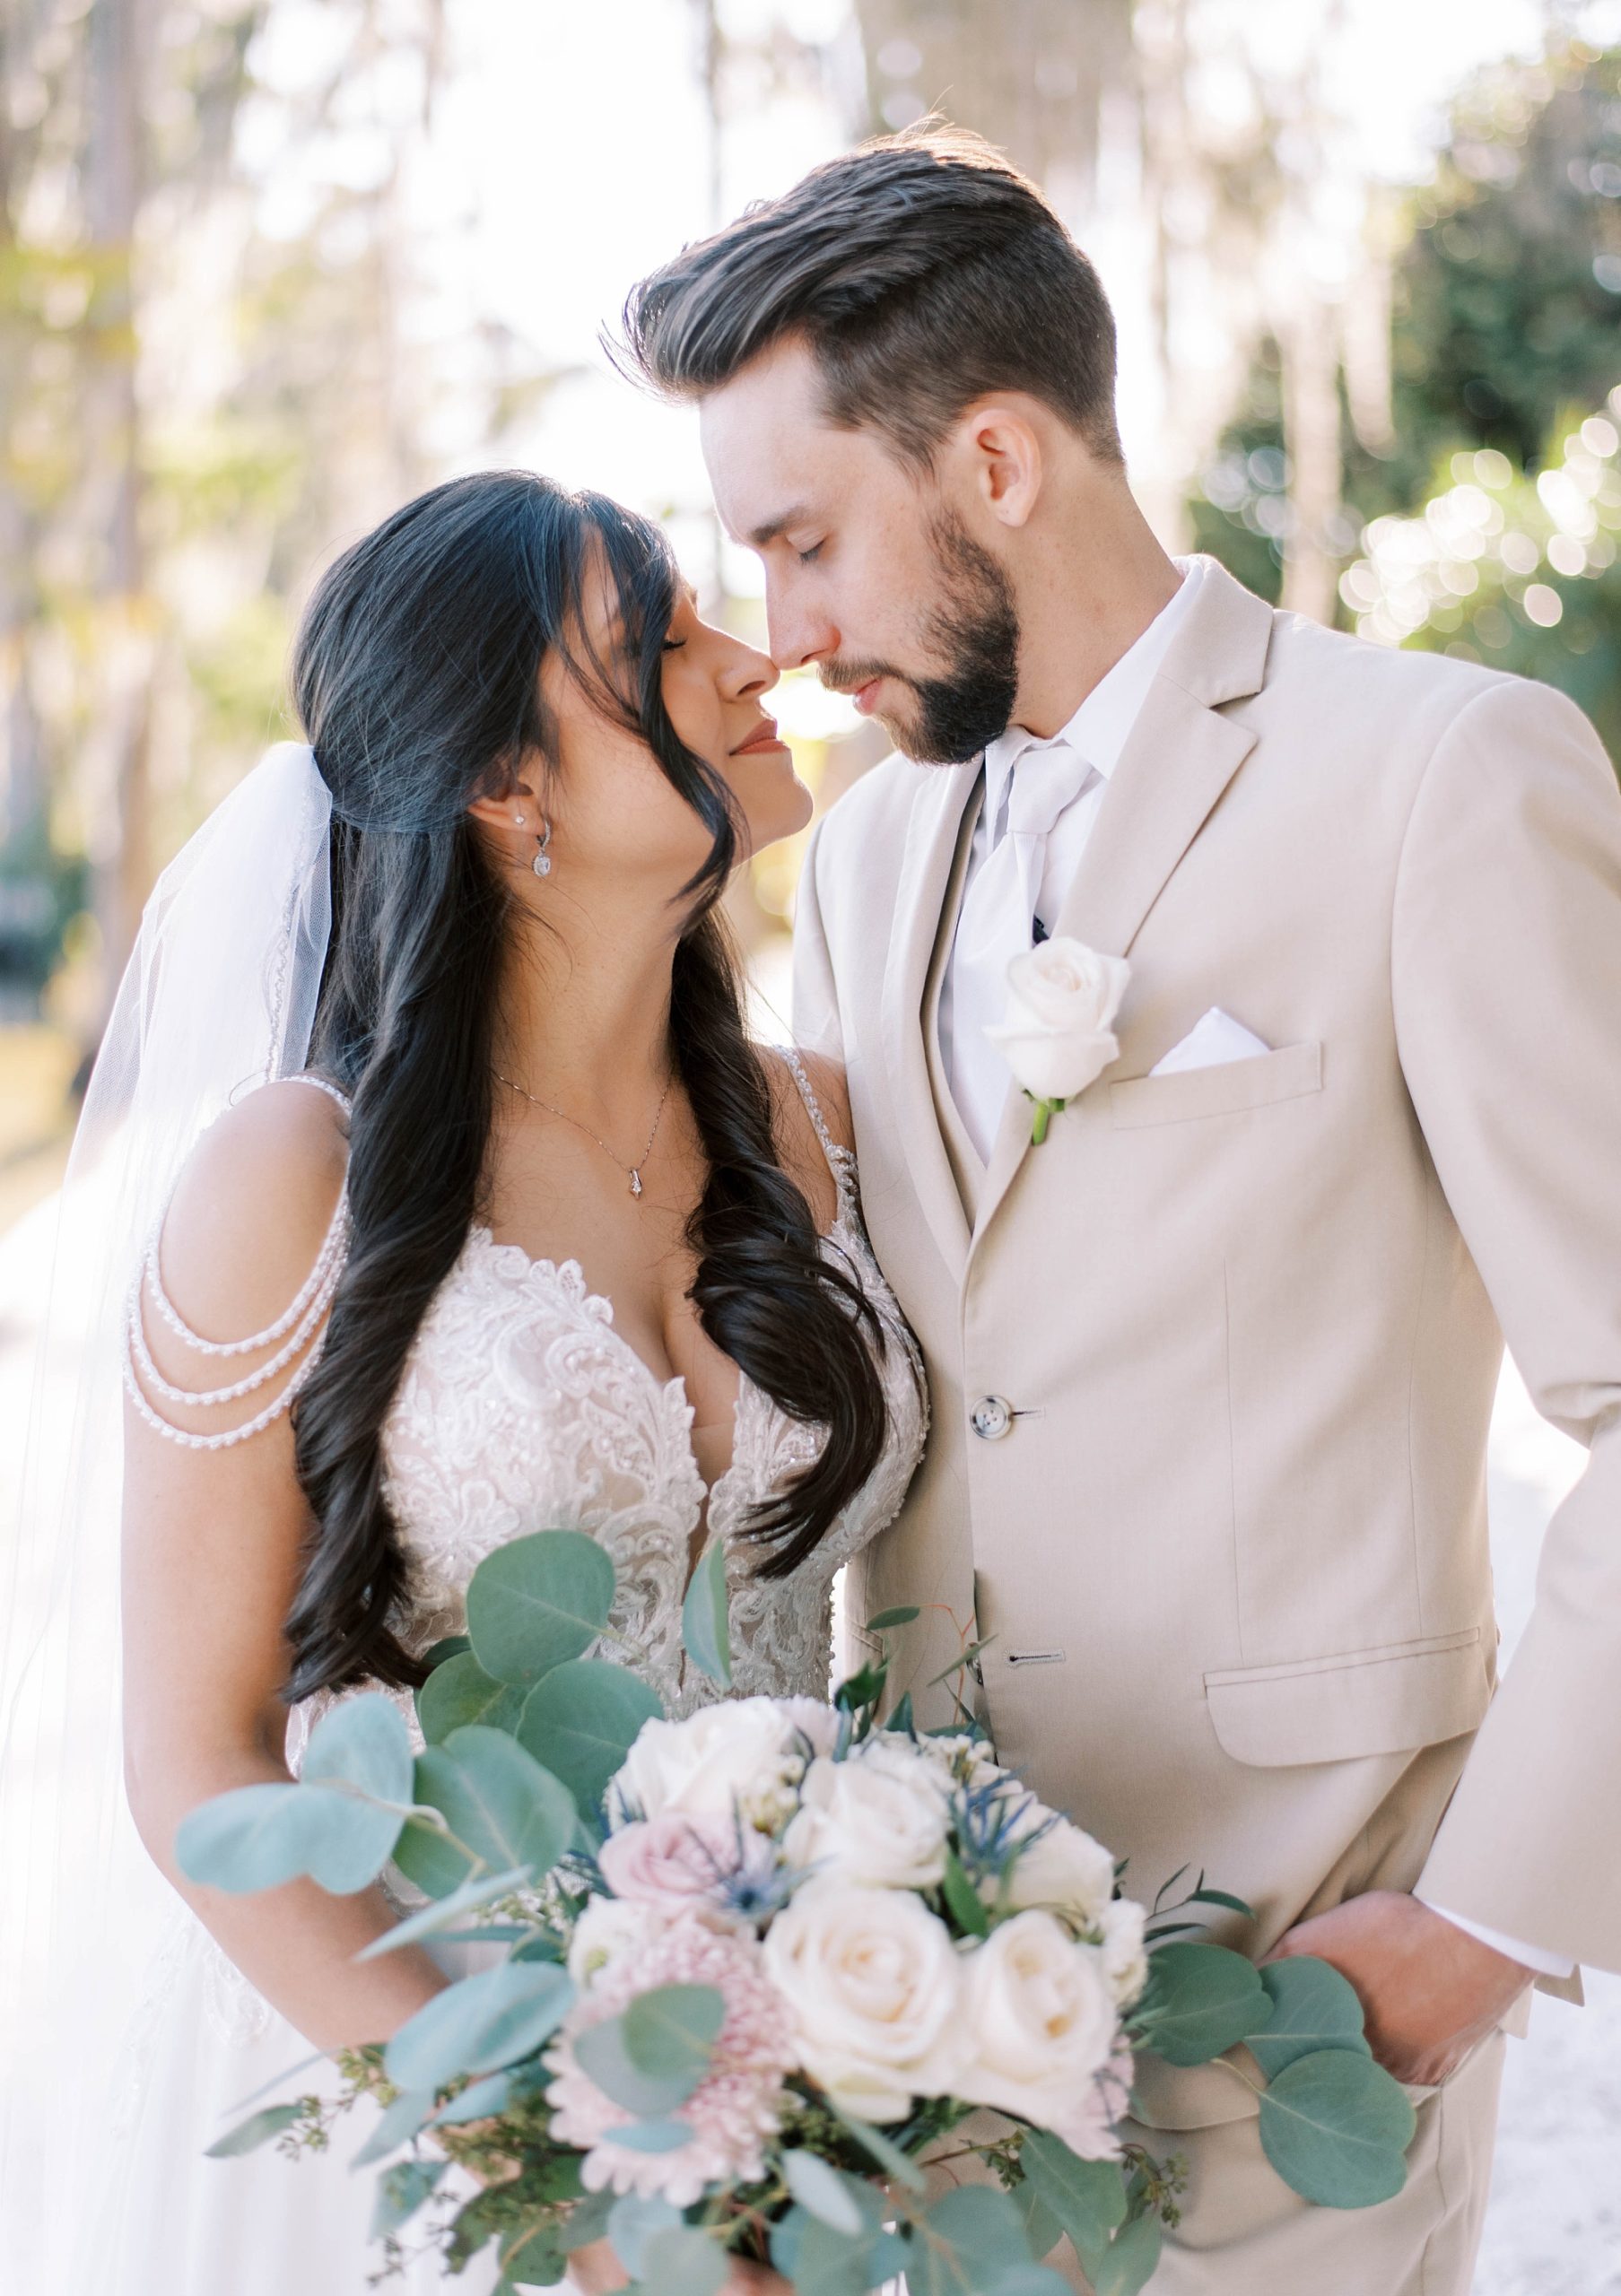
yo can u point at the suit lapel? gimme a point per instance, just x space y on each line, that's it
1178 758
931 843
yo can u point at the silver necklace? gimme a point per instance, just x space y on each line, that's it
632 1170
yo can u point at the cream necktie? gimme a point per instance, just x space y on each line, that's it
997 924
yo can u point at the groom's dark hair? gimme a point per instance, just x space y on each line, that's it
922 270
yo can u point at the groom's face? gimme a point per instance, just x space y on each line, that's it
869 572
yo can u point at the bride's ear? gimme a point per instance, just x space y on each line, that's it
518 808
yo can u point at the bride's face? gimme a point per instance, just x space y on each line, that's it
613 812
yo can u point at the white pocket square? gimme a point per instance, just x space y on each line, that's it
1217 1037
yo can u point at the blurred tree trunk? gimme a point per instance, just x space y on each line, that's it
117 46
1029 74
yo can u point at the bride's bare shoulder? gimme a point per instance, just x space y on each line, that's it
252 1206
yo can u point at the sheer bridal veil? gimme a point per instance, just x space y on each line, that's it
218 995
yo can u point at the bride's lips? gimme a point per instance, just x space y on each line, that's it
766 738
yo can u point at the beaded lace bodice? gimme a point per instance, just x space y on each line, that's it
522 1408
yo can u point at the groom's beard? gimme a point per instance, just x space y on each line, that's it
975 628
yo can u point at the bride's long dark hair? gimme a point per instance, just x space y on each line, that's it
415 674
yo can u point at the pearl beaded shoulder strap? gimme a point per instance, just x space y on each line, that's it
297 1326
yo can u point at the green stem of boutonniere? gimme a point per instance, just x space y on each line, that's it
1045 1110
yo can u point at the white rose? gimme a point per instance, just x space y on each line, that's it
1125 1955
608 1928
1041 2023
880 1818
1056 1036
1063 1870
743 1755
874 1984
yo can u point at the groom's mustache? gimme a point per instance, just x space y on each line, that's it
849 677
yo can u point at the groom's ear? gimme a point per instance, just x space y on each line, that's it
998 445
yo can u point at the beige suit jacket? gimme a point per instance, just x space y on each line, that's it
1231 1547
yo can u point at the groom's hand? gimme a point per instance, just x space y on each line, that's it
1429 1991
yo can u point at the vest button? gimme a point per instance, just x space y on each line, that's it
992 1417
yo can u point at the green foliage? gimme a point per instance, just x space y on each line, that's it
1087 2198
653 2055
632 2221
536 1602
500 1809
582 1719
401 2192
257 2130
1335 2126
684 2263
478 2024
705 1634
460 1693
1198 2002
1314 2007
437 1918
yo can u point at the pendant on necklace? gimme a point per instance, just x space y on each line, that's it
635 1182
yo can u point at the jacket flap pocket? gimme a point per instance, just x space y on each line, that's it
1220 1091
1382 1701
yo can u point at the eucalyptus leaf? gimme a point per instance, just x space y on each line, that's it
250 2134
401 2192
1313 2008
1336 2128
448 1646
1087 2198
532 2256
581 1720
258 1837
503 1809
1042 2228
588 2220
446 1912
901 1721
957 1664
654 2136
460 1692
820 2190
397 2125
633 2221
1201 1999
493 2094
902 1614
1133 2254
537 1601
705 1628
1028 2280
965 2241
820 2261
654 2053
479 2024
685 2263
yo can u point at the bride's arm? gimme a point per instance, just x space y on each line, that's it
212 1541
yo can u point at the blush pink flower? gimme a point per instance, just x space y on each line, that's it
669 1860
736 2107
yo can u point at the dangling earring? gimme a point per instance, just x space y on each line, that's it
542 863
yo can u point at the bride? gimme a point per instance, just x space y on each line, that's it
537 1237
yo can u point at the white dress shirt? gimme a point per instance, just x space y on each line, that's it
975 1068
1095 737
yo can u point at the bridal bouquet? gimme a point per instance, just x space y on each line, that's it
768 1981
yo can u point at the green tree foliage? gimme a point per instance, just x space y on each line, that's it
1506 314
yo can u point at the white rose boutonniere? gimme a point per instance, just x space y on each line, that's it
1056 1037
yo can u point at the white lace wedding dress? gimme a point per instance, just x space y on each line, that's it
521 1408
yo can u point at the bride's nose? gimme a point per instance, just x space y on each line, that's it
747 673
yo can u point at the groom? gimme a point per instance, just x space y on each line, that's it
1213 1364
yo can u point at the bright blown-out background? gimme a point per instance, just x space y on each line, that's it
269 266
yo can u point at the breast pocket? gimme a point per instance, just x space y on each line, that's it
1224 1089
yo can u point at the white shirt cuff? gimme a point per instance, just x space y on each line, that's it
1533 1957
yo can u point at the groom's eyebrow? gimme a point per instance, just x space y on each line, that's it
772 527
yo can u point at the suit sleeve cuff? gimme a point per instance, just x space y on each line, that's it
1531 1957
